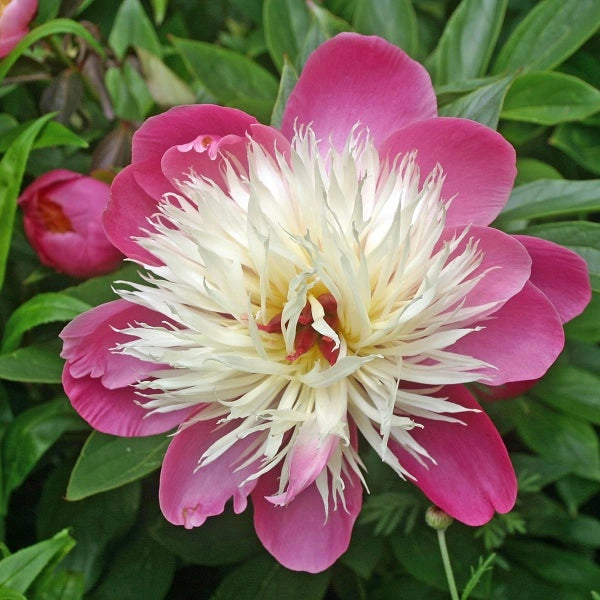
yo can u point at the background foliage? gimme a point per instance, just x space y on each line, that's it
78 509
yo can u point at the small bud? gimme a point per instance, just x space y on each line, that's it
62 216
437 519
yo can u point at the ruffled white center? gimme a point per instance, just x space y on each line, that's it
313 290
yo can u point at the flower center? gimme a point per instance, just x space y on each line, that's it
309 329
52 216
3 5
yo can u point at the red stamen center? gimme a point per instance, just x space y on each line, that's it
306 336
52 216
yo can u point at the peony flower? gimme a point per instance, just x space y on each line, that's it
302 286
62 215
15 16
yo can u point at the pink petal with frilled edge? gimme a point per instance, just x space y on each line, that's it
473 477
353 78
299 535
188 495
127 213
183 124
97 380
307 459
521 339
479 164
88 338
115 411
506 261
561 274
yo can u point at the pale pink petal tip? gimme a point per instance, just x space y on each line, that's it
472 477
299 535
190 493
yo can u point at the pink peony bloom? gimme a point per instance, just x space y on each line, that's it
62 214
15 16
302 286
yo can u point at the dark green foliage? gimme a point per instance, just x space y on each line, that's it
79 512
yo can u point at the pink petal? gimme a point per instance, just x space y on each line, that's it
353 78
188 495
297 534
127 214
505 391
88 338
183 124
522 339
473 476
478 162
506 261
307 459
46 180
176 164
561 274
115 411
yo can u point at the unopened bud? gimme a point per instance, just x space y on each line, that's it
437 519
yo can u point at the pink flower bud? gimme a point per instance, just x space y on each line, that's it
62 214
15 16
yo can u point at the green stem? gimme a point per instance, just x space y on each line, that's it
447 566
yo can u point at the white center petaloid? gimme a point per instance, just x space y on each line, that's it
313 290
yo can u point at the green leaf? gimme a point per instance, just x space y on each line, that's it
132 27
483 105
222 540
95 522
483 566
52 134
19 570
43 308
139 570
559 437
586 327
582 237
12 168
549 34
98 290
548 519
575 491
231 78
286 24
394 20
57 26
364 551
579 142
61 585
29 436
289 77
555 565
550 198
166 88
419 555
549 98
159 8
37 363
264 578
540 471
8 594
128 91
532 169
466 45
107 462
